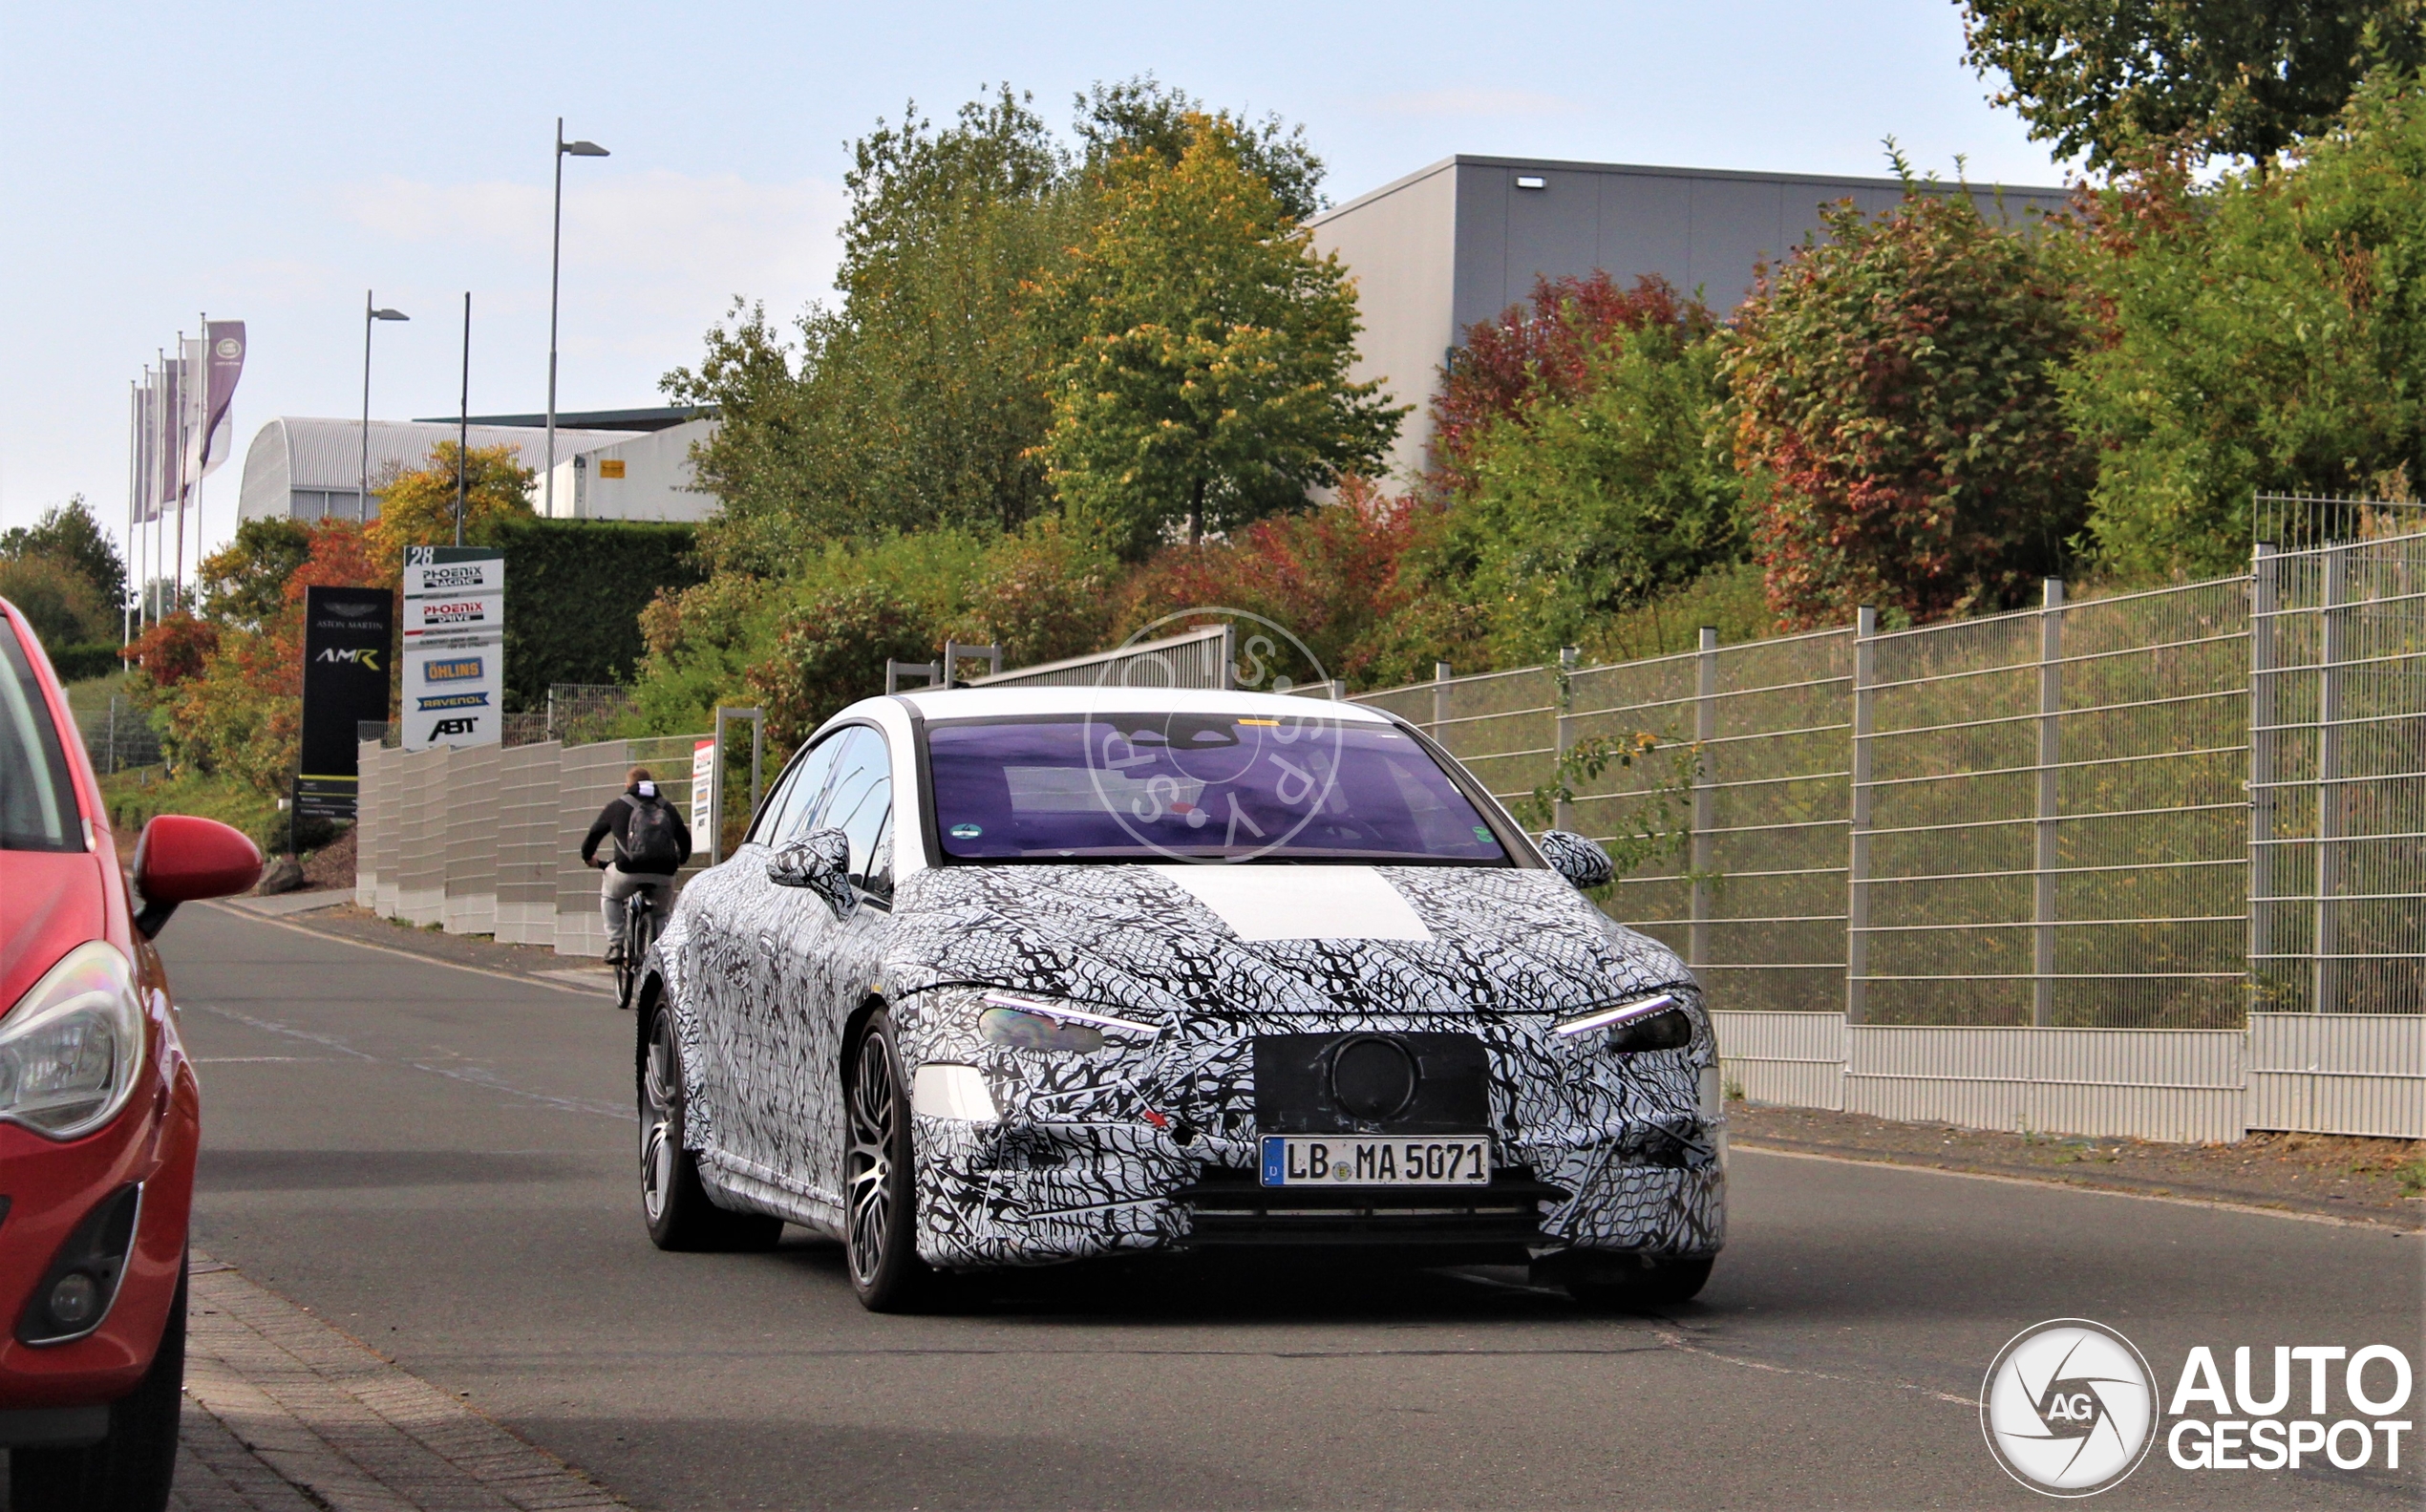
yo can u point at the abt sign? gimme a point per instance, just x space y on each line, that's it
454 689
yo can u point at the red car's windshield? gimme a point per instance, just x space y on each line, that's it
37 799
1200 786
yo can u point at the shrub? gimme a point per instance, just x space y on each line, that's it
1897 415
831 651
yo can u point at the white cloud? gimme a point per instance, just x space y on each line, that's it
1471 102
658 242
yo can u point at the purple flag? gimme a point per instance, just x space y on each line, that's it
224 363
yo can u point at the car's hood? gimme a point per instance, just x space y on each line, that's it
1271 938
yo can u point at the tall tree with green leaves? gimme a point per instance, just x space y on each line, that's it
2262 332
69 534
2242 79
917 401
1208 385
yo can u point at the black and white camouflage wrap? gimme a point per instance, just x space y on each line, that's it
765 980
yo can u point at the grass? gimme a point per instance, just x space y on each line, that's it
135 796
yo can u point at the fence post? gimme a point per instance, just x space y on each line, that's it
2051 707
2333 629
1439 702
1857 887
715 777
1565 739
2264 597
1705 797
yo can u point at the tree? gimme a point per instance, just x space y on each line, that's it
2266 333
60 603
245 583
1586 503
1209 384
1897 416
2242 79
1543 351
70 534
831 653
918 402
417 506
1144 114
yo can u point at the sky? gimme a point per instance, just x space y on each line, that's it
270 163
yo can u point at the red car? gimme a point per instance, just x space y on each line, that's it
99 1114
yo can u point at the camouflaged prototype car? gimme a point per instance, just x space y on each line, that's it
1006 977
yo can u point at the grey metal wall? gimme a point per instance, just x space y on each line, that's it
1460 242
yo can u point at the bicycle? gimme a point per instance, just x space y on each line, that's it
641 928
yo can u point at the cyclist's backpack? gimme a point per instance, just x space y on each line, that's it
650 839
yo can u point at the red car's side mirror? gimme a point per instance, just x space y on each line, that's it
181 859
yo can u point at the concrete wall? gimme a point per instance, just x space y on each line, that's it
2361 1073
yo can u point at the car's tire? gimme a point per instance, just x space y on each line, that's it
673 1202
1656 1282
130 1470
880 1185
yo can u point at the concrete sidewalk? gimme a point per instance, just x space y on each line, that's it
287 1414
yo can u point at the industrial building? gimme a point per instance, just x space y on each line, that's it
611 464
1461 241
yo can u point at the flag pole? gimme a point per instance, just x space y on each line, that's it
463 421
126 611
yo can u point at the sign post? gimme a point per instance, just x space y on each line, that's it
345 682
453 647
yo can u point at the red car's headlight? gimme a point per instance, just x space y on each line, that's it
71 1050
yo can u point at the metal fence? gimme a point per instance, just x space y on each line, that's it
119 737
2123 825
2337 777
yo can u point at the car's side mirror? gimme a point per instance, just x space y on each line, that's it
1579 860
182 859
820 862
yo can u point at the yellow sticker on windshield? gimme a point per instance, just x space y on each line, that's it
1272 722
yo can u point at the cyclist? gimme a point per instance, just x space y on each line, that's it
651 842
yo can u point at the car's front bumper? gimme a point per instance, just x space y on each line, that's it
1154 1147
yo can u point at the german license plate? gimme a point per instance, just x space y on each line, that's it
1353 1159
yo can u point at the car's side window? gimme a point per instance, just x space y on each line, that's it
859 804
798 794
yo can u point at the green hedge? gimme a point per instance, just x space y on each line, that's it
76 663
574 589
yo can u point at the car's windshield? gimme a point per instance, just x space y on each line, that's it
1163 786
37 803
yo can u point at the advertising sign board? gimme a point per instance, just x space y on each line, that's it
345 684
453 647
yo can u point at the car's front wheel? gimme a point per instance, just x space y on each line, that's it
880 1233
130 1470
673 1200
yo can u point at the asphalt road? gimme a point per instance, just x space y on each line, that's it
440 1162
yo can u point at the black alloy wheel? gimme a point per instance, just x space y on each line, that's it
880 1224
128 1471
673 1200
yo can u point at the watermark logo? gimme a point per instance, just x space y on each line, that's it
2069 1408
1212 786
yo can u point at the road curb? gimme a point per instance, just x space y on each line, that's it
287 1414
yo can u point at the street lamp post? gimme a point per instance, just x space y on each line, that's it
370 314
555 263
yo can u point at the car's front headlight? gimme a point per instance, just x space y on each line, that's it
71 1049
1658 1021
1024 1021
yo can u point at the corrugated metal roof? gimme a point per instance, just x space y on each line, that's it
294 452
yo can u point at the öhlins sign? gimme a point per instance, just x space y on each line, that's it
453 647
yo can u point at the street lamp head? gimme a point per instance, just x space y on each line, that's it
583 149
389 315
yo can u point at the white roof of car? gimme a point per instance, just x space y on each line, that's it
982 703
